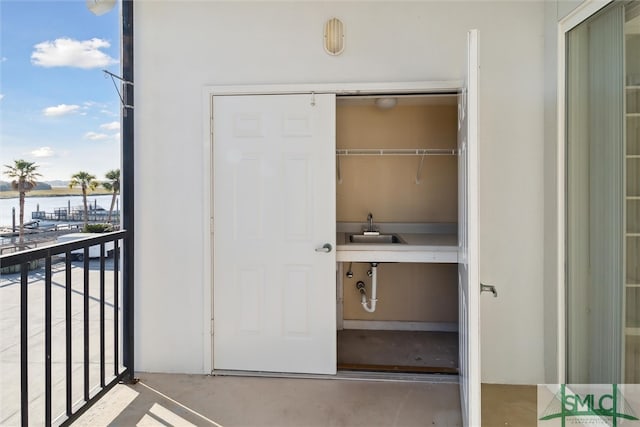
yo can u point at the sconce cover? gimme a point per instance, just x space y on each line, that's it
100 7
334 36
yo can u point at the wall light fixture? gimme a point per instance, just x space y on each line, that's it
334 36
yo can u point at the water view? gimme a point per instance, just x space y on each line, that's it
49 205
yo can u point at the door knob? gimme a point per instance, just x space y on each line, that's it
325 248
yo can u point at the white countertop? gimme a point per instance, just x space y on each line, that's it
418 247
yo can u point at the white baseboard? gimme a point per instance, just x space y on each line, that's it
394 325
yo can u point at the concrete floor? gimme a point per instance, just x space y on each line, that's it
10 339
183 400
509 405
186 400
399 348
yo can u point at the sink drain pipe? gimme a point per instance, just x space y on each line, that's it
369 306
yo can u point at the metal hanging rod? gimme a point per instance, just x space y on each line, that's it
397 152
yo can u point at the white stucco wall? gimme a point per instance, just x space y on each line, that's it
182 46
551 194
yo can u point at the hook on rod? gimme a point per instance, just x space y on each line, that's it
419 173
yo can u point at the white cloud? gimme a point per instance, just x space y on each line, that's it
42 152
4 58
110 126
1 96
109 113
60 110
94 136
86 105
66 52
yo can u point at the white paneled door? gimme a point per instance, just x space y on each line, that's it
468 237
274 233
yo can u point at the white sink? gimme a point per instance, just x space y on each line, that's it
375 239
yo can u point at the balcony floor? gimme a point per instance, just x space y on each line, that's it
10 357
184 400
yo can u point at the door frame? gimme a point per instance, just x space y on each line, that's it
581 13
379 88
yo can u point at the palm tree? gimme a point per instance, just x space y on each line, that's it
112 185
86 181
24 180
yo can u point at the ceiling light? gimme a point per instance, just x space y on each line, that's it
386 103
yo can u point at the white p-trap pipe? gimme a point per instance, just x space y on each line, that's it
370 306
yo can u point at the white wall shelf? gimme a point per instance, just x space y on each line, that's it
397 152
422 152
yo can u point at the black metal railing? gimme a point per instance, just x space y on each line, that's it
82 263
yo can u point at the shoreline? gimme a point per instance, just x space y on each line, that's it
55 192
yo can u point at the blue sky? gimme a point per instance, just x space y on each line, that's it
56 106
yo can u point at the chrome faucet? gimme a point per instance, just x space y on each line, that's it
370 219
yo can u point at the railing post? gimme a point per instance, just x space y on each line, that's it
116 308
24 345
102 319
47 341
128 190
85 323
68 331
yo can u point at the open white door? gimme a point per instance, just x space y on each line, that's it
468 240
274 233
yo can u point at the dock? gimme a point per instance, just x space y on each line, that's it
95 214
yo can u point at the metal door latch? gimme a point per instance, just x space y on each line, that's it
325 248
489 288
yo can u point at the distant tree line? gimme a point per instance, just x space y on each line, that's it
6 186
